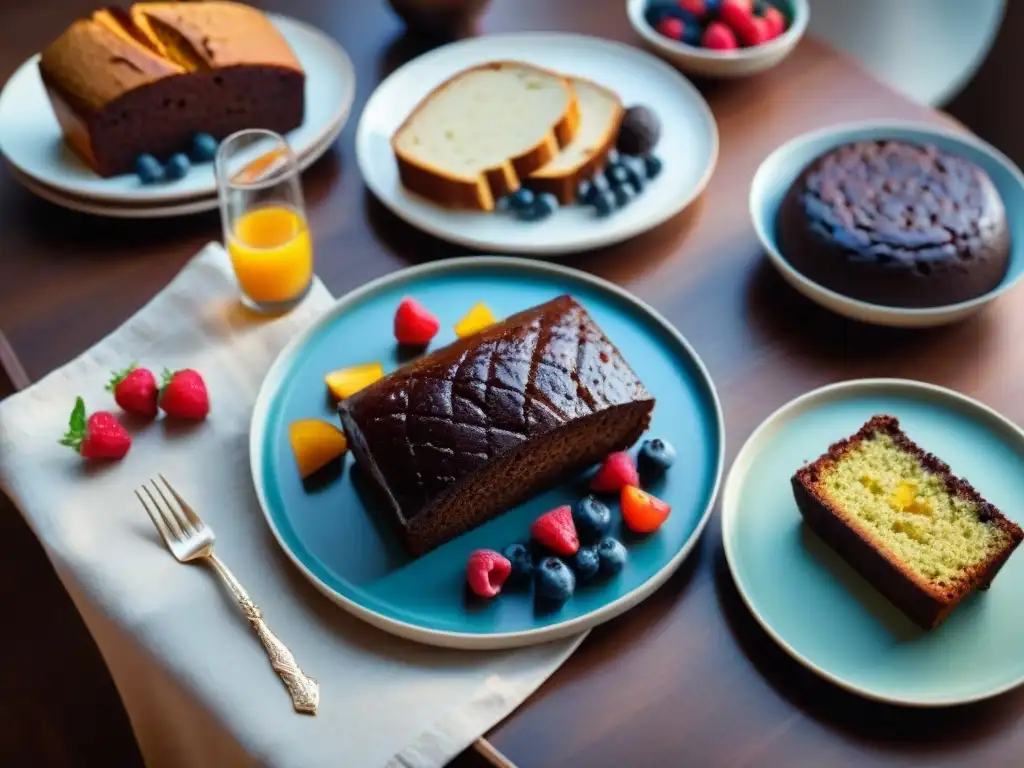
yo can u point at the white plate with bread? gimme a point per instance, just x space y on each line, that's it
446 141
117 84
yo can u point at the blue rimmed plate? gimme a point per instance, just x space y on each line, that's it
349 550
817 608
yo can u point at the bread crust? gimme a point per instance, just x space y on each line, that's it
482 193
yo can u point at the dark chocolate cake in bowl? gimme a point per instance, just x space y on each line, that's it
896 224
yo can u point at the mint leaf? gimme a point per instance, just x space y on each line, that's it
77 423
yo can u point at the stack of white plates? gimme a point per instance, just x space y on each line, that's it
31 140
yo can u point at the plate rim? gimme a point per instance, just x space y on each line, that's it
341 116
730 495
468 640
857 308
586 242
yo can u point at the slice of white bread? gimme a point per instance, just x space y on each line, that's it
601 113
477 135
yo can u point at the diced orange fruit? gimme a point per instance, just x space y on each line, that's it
315 444
345 382
478 318
642 512
903 496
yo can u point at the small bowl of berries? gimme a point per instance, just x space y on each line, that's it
720 38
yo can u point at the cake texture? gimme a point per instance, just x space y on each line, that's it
470 430
124 83
896 224
475 137
921 536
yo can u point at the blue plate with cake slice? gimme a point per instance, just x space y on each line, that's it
873 529
463 444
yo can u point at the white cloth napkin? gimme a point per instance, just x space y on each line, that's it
194 678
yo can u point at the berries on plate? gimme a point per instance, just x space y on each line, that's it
315 444
718 37
101 436
478 318
148 169
135 390
604 203
203 148
345 382
184 395
642 512
592 518
655 457
521 558
616 472
652 166
554 580
585 564
486 572
612 556
415 325
521 199
556 531
177 166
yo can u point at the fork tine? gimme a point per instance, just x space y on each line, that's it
179 516
157 519
189 512
168 517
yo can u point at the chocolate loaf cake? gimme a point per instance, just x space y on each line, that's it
470 430
921 536
124 83
896 224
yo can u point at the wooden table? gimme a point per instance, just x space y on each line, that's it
688 678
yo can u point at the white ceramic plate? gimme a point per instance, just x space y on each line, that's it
688 146
31 140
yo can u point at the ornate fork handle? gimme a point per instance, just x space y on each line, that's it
304 690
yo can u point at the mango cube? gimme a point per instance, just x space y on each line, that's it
478 318
345 382
315 444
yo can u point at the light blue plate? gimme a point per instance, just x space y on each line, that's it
781 168
348 548
817 608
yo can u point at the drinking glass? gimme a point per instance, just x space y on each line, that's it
264 219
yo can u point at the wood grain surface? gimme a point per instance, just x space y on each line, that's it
685 679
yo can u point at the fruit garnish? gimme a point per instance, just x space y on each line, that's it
101 436
655 457
415 325
135 390
591 518
315 444
554 580
177 166
486 572
345 382
184 395
612 555
585 564
478 318
718 37
642 512
556 531
617 471
149 169
522 562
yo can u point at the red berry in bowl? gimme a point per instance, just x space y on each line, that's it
775 22
718 37
671 28
735 13
697 7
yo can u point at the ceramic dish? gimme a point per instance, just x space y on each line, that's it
725 64
688 146
31 140
784 165
817 608
354 556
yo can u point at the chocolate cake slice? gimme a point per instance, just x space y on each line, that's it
920 535
468 431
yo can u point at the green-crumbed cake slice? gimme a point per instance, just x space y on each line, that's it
896 513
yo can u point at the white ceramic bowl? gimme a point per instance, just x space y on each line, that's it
710 63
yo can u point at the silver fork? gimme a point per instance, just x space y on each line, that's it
189 539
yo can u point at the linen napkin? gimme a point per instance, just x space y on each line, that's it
197 686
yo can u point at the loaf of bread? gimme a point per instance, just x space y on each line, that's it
475 137
123 83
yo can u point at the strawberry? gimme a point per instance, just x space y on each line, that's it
184 395
775 22
556 531
486 572
616 471
718 37
697 7
415 325
101 437
642 512
135 390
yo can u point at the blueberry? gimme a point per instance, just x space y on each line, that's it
586 564
692 34
548 201
637 173
522 562
605 203
204 148
554 580
612 555
712 8
613 156
618 175
540 209
655 457
623 194
149 169
177 166
586 192
652 166
660 9
591 518
522 199
504 203
600 184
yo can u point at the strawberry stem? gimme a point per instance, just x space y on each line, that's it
76 427
119 376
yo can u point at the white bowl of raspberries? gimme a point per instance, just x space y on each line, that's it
720 38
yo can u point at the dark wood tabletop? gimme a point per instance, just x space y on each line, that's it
687 678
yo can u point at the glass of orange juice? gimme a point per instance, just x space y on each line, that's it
264 218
